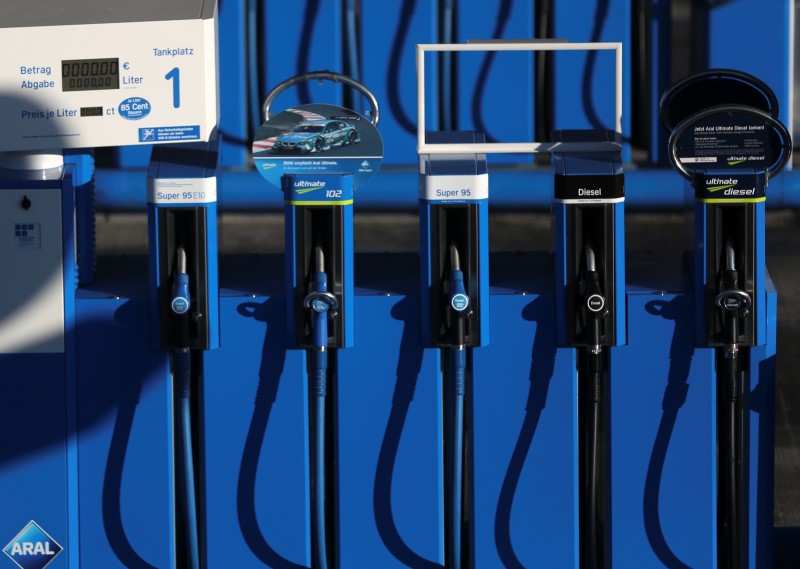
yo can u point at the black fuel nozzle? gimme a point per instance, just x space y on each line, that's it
594 304
457 301
733 302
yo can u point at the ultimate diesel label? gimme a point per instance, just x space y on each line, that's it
739 188
590 189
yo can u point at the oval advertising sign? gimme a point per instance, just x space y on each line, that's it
134 108
728 138
317 139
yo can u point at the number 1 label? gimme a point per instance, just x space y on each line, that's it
175 76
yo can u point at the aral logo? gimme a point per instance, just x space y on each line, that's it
32 548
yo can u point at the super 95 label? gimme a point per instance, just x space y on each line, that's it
455 188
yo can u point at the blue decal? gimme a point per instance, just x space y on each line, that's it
460 302
319 189
32 548
134 108
169 133
180 305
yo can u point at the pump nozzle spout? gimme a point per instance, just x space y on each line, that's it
455 261
319 260
181 260
730 256
591 260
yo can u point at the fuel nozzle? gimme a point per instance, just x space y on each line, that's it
457 301
180 302
320 302
594 303
733 302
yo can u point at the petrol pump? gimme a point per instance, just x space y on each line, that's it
589 228
520 393
726 140
81 491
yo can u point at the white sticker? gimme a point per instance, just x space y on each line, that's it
698 159
181 190
27 236
455 188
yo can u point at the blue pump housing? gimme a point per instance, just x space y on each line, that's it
182 212
589 209
718 219
319 213
454 210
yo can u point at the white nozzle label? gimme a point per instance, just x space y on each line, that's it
165 191
455 188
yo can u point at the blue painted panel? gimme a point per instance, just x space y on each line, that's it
300 37
762 47
389 441
125 437
659 66
561 240
584 81
33 448
255 440
495 90
760 285
234 119
389 34
619 274
135 156
761 403
524 440
662 419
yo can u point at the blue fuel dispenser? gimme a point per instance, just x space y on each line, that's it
319 304
454 239
182 220
519 505
590 311
694 433
318 155
727 142
37 343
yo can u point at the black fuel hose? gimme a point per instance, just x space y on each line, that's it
595 312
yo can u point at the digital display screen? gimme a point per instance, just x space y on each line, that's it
89 74
91 111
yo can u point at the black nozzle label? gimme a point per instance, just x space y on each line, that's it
733 300
589 189
595 303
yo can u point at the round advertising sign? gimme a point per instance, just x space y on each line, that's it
317 139
730 137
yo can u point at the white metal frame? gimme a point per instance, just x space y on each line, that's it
515 147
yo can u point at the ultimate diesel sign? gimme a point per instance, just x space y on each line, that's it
741 187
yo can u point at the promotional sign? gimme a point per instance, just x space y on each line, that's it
729 138
317 139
